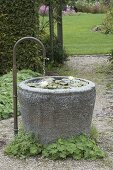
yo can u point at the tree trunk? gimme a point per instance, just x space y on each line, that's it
51 27
59 26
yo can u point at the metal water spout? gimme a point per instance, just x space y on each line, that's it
15 76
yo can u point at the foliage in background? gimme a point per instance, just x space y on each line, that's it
43 10
54 2
58 59
90 6
107 25
6 90
45 38
18 19
78 147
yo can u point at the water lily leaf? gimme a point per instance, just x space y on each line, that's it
64 83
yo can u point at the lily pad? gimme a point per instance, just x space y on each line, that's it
64 83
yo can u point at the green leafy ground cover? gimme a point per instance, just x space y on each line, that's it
79 37
23 145
6 91
76 148
80 147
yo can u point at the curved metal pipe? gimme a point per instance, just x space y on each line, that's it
15 76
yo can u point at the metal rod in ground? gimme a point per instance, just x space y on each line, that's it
15 106
15 92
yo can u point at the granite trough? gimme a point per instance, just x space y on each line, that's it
56 113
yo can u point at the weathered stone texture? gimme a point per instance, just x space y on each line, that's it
53 114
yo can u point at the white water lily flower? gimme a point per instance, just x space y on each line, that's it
49 80
71 78
43 84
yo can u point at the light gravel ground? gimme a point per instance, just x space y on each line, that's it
86 67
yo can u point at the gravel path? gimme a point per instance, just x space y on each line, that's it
85 67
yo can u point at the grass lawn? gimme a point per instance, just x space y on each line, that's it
79 37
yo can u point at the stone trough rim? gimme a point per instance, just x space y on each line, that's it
23 86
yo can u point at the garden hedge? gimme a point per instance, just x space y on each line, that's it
18 18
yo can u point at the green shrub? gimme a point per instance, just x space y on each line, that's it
57 58
45 38
90 6
6 90
107 25
23 145
111 59
18 19
79 147
94 133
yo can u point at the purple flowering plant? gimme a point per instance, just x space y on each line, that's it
43 10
